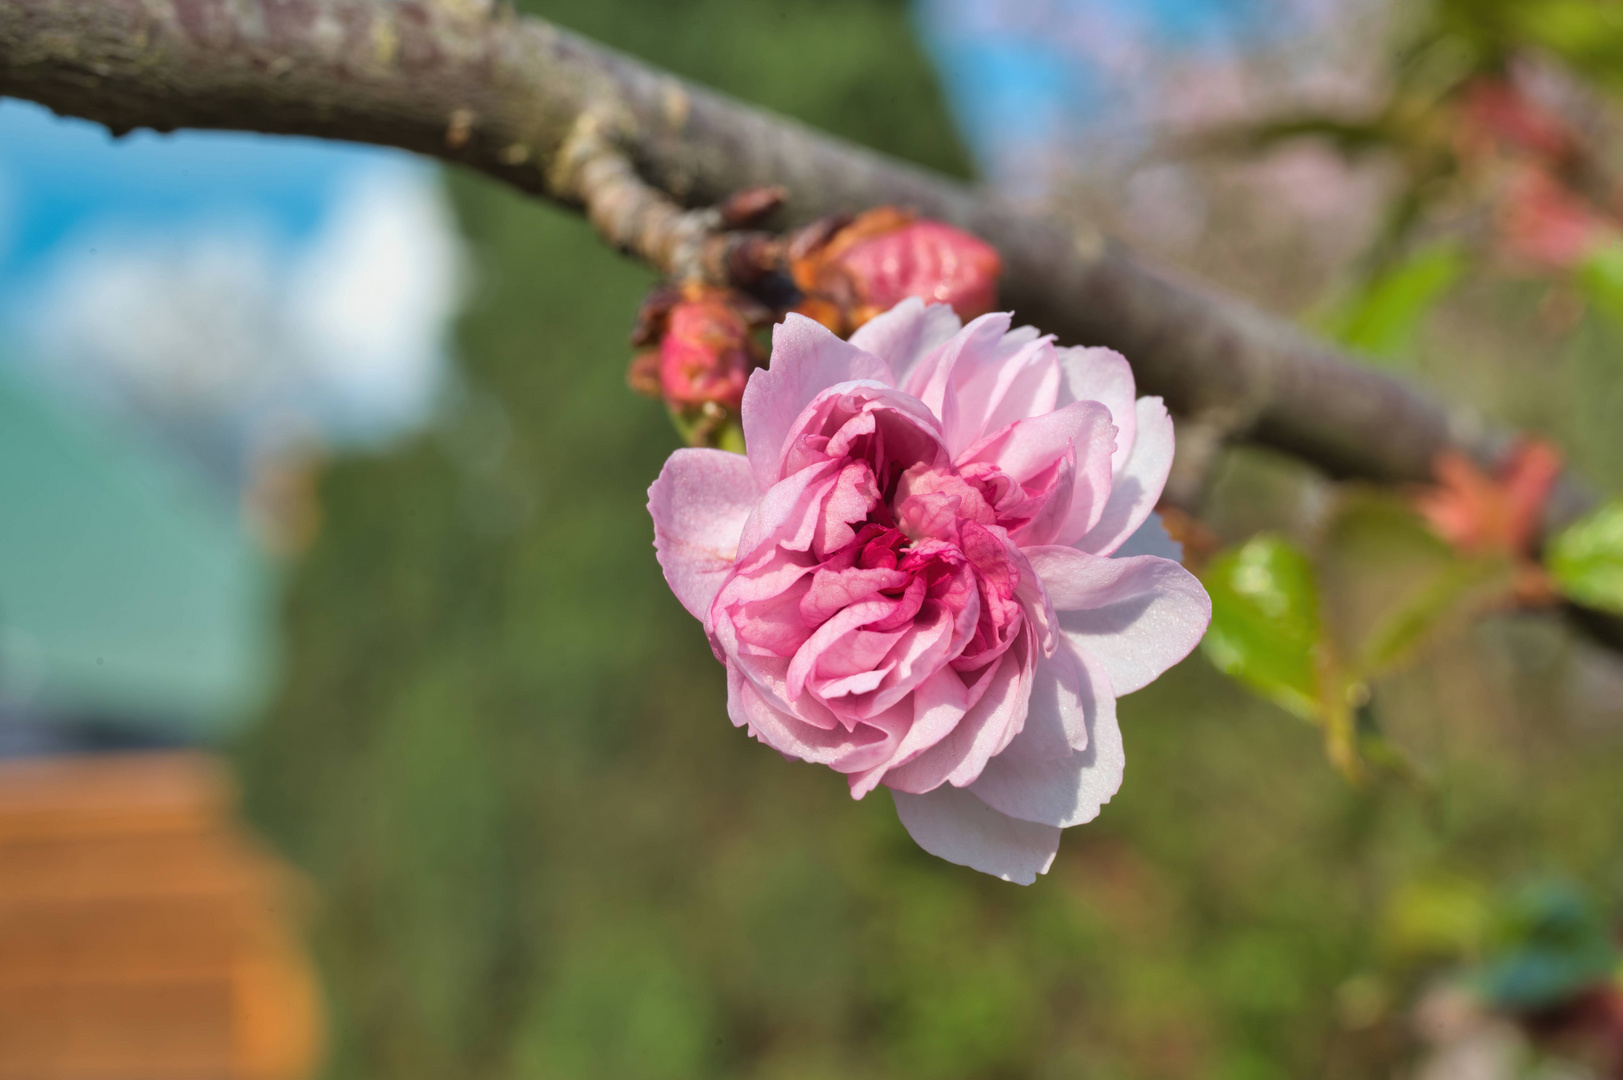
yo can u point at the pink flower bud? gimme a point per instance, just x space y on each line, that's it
886 256
934 262
703 351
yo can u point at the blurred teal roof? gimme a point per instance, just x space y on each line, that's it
128 592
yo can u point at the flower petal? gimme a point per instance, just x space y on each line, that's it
933 379
984 732
1150 539
1025 449
699 505
1018 380
1138 487
834 746
1065 694
1061 791
1136 616
952 824
1102 375
807 358
906 334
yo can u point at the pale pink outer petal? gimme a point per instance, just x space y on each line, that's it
807 358
1061 791
952 824
1138 488
1064 694
699 505
1018 380
933 380
1102 375
1150 539
1136 616
906 334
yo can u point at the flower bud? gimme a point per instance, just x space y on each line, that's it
852 273
706 353
698 349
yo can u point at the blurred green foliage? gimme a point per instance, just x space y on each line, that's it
502 755
1383 315
1586 560
1310 629
1600 277
1547 942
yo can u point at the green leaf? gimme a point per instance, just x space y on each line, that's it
1600 276
1586 560
1265 621
1385 313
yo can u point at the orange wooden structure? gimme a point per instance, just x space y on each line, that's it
143 935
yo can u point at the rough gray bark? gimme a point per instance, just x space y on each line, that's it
478 85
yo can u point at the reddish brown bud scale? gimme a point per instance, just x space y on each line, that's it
747 207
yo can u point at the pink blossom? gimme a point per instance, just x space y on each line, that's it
909 579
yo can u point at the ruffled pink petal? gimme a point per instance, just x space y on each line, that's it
1102 375
1138 488
699 505
840 420
989 726
807 358
1136 616
931 380
834 746
1061 791
953 824
1026 449
938 707
906 334
1017 381
788 512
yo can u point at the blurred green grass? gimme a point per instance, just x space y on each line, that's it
541 850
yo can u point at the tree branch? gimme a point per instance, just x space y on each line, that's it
561 117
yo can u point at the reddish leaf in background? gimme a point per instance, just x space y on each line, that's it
852 272
1483 515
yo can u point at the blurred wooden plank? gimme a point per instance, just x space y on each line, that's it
174 1031
53 942
201 862
144 935
111 794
